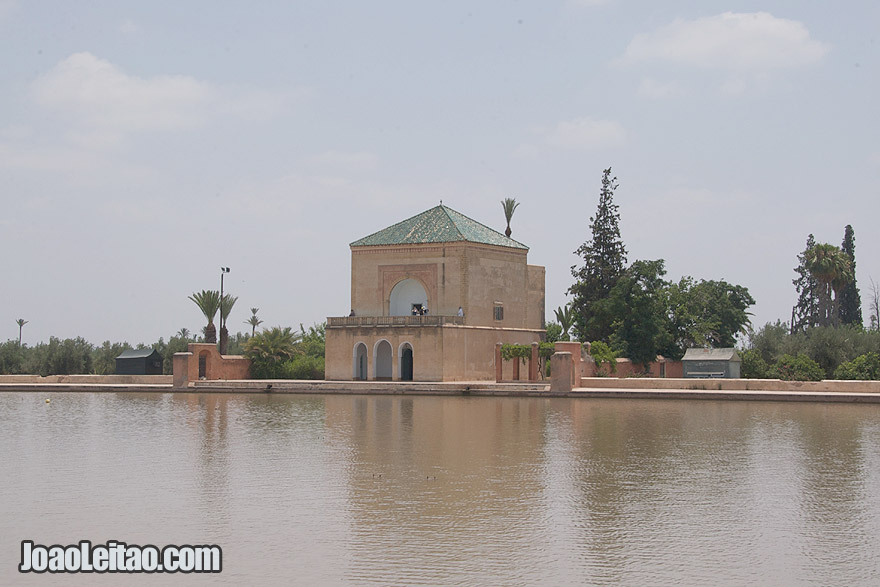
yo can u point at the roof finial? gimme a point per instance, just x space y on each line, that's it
441 202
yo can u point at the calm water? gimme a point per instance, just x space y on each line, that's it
331 490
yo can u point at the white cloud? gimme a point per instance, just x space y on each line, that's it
730 41
651 88
97 95
586 133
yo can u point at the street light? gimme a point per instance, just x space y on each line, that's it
223 272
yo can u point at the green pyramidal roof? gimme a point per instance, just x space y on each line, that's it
440 224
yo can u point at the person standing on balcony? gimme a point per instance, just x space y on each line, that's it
460 312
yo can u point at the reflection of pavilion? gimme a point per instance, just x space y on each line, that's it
408 282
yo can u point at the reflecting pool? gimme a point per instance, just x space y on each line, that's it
403 490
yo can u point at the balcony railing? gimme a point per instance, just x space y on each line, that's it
428 320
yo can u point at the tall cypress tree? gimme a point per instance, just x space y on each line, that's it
805 313
850 300
604 262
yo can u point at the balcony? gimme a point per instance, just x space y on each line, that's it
372 321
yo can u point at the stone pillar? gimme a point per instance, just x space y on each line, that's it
575 349
516 361
498 363
560 371
180 370
533 363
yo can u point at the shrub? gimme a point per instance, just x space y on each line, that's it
304 367
603 355
863 367
754 366
770 340
799 368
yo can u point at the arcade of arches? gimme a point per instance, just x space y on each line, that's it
378 364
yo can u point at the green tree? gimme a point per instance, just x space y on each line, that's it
706 314
604 258
864 367
269 350
850 299
805 313
12 357
254 321
603 355
311 341
60 357
225 309
554 332
753 365
771 341
565 318
104 356
208 302
799 368
509 205
833 270
635 306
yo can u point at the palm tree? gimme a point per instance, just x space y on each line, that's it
225 309
21 322
509 205
253 320
565 317
208 301
832 268
841 280
183 333
270 349
273 343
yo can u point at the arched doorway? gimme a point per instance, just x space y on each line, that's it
405 295
382 359
405 361
359 362
203 365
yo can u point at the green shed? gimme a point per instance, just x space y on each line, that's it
139 362
724 363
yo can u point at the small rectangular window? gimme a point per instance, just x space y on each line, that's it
499 312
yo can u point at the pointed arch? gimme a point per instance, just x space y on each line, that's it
382 355
405 294
359 362
405 361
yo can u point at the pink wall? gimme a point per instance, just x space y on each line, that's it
217 366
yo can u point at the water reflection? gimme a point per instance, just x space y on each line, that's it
451 490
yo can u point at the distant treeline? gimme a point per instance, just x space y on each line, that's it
820 352
74 356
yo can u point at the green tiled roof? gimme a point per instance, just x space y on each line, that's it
440 224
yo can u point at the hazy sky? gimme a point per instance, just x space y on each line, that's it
145 144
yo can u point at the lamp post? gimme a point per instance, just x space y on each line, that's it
223 272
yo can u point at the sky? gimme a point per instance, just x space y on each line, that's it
143 145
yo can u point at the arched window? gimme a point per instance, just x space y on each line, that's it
405 295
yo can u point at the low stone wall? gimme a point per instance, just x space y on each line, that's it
90 379
625 368
731 384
